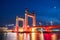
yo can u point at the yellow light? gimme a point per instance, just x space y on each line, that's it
54 37
33 29
20 30
33 36
21 36
41 36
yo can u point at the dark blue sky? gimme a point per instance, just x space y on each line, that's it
45 10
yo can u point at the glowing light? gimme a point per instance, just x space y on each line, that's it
56 30
54 37
51 22
24 36
26 28
47 36
33 36
28 37
21 36
40 23
20 30
42 36
33 29
11 36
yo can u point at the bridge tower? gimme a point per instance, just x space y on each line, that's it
29 15
17 25
19 19
26 22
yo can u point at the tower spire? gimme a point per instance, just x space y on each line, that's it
26 11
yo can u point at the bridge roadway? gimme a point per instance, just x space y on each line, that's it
36 29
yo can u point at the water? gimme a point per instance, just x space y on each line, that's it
29 36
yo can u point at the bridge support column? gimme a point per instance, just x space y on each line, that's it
34 21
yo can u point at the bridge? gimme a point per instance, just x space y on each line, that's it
27 29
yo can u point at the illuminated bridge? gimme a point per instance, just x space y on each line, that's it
34 32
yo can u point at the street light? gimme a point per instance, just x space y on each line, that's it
51 22
40 23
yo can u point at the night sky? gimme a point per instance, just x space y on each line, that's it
45 10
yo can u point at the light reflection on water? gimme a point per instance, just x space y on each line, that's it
32 36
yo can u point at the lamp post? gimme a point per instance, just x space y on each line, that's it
40 23
51 22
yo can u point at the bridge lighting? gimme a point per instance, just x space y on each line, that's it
33 29
57 30
20 30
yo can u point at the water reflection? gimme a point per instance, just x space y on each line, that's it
21 36
54 37
30 36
